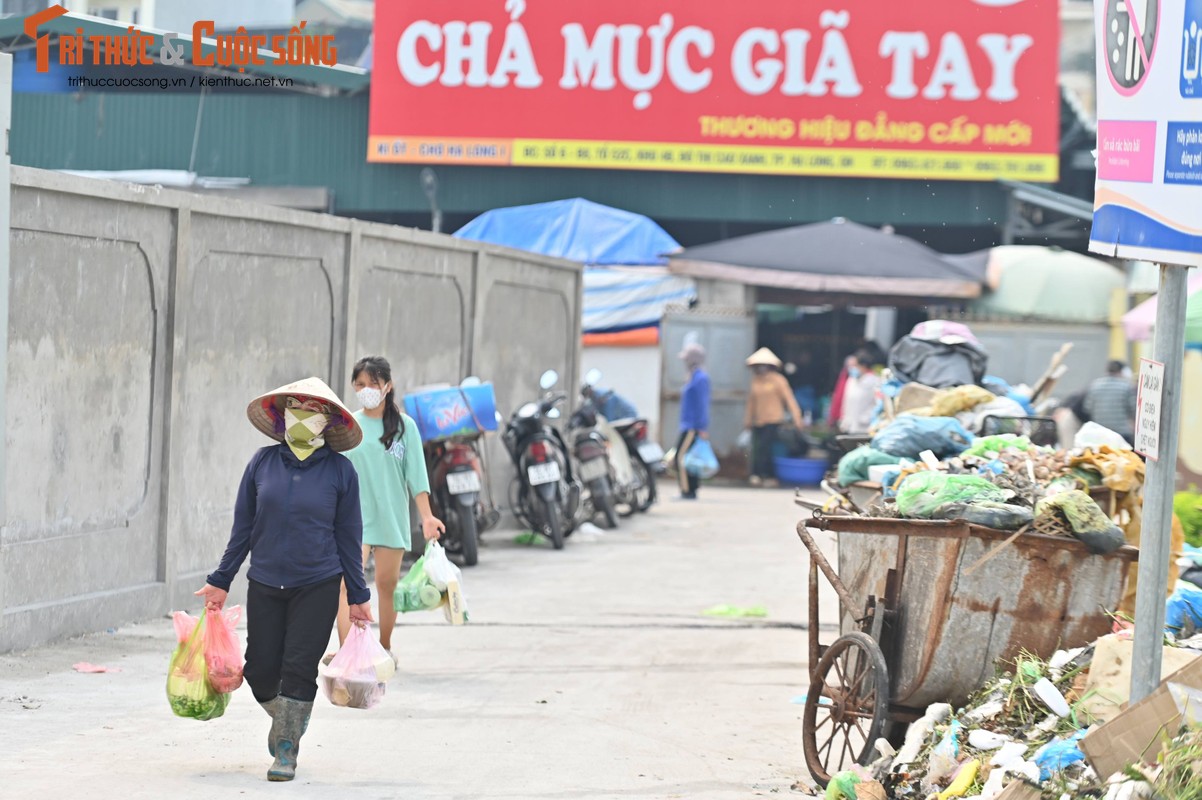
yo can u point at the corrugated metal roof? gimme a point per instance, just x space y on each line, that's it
337 77
303 140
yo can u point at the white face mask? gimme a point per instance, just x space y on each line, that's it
370 397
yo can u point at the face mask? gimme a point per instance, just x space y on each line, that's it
370 397
303 431
853 372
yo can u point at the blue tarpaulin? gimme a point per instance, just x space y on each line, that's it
578 230
609 242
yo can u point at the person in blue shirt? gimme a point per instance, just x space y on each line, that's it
610 404
298 518
694 415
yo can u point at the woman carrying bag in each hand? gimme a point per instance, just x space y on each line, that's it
297 516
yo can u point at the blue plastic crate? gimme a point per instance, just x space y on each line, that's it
447 413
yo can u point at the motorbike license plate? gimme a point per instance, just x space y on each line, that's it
540 474
651 453
594 469
463 482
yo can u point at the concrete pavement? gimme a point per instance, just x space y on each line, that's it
587 673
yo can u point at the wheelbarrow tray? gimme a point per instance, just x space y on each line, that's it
1038 593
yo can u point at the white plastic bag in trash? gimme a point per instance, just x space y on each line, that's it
743 442
1094 435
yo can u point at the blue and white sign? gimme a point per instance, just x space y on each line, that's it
1148 203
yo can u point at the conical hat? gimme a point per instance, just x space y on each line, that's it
765 357
343 434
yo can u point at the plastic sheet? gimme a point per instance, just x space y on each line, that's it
854 466
1087 520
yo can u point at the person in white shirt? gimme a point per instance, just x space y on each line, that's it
859 396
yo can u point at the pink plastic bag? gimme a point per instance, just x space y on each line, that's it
357 675
223 655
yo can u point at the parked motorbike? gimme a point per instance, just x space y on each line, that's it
591 450
458 482
634 458
545 494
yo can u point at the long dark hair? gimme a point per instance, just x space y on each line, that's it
381 372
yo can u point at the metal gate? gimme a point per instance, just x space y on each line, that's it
728 336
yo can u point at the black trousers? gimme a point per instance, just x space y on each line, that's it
763 442
287 631
688 483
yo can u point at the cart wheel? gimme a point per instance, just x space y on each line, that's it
846 708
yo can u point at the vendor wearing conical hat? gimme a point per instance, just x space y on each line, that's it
298 518
770 402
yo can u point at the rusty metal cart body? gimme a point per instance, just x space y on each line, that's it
927 609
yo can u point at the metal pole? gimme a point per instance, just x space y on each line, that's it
6 109
1156 532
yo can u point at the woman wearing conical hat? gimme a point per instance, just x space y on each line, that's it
770 402
298 518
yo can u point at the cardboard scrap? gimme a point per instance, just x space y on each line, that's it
1137 734
1109 686
1019 790
870 790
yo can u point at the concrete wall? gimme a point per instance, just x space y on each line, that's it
142 323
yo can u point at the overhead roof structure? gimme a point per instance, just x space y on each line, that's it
835 257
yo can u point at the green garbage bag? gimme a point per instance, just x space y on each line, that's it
416 592
188 689
842 787
992 446
921 494
854 466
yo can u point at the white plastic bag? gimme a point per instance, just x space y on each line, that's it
1094 435
448 579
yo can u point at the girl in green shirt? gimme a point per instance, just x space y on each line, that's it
392 471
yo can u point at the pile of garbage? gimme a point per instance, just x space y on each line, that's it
1047 726
932 468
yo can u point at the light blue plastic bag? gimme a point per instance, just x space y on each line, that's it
907 436
700 461
1185 604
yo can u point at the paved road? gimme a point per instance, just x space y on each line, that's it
589 673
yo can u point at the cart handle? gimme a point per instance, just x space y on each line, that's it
817 557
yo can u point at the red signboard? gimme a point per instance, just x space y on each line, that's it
952 89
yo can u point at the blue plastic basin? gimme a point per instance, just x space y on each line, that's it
800 471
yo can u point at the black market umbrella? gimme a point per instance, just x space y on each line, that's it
835 258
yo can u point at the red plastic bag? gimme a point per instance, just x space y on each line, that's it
222 653
357 675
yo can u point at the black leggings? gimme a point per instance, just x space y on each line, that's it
287 631
763 442
688 483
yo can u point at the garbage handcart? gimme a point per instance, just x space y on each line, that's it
926 611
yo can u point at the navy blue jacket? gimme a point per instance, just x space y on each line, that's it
300 522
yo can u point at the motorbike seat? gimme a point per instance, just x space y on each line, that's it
624 424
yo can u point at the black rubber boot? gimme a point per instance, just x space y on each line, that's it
289 724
